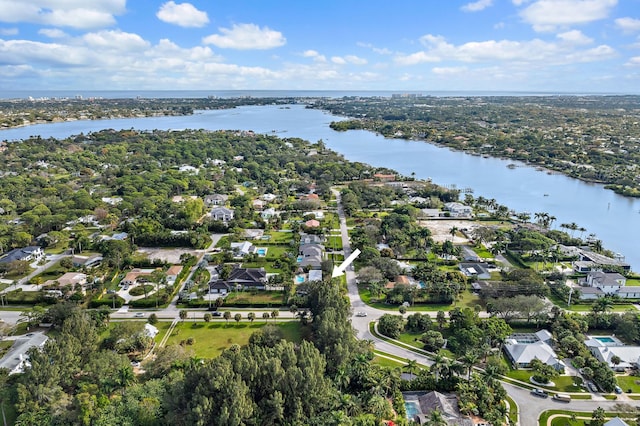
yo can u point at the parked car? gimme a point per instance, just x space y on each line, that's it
361 314
539 392
216 314
592 387
562 397
617 389
139 315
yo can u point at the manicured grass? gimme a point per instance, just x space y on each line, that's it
335 242
5 345
410 339
513 410
579 307
633 281
251 298
386 362
211 339
483 253
277 237
54 272
629 382
466 299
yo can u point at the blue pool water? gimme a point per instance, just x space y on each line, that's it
605 339
299 259
421 284
261 251
412 409
299 279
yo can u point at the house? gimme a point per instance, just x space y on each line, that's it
268 213
150 330
605 348
315 275
616 421
219 287
173 272
312 223
310 239
590 261
222 214
86 261
599 284
311 255
269 197
112 200
28 254
429 213
522 348
69 279
132 277
188 169
215 200
242 249
445 403
254 234
258 204
16 359
458 210
468 255
248 278
478 270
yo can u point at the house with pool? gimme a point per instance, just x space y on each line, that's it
609 348
522 348
599 284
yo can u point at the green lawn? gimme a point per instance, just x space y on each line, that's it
633 281
580 307
5 345
335 242
277 237
466 299
629 382
54 272
386 362
211 339
251 298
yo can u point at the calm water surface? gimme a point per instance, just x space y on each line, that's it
613 218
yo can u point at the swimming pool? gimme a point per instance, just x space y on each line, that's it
300 279
412 408
605 339
299 259
262 251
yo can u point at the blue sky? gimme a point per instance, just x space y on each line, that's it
412 45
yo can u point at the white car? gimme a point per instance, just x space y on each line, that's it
361 314
139 315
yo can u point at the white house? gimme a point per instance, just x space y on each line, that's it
222 214
605 348
267 214
215 199
599 284
242 249
458 210
522 348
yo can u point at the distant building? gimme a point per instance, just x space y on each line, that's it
222 214
458 210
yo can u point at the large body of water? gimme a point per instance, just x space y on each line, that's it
612 218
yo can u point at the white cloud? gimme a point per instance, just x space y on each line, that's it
566 50
519 2
348 59
80 14
184 15
315 55
447 71
52 32
245 37
498 26
115 40
633 62
548 15
477 6
628 25
8 31
575 37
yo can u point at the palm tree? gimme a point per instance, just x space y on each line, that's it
411 367
436 419
274 314
265 316
438 362
469 360
183 315
453 231
227 316
251 316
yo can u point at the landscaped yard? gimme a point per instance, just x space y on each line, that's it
211 339
466 299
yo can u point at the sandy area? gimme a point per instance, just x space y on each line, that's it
166 255
440 229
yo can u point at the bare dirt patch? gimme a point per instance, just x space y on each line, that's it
441 229
166 255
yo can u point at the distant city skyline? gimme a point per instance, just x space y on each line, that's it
586 46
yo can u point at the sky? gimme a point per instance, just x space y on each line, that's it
562 46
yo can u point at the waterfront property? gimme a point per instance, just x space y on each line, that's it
599 284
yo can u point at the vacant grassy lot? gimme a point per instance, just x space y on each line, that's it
213 338
254 298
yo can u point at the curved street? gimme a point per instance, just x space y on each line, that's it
529 407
